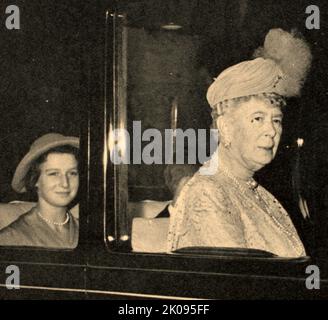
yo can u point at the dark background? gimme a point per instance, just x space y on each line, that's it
46 69
42 72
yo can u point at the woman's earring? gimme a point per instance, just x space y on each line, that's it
227 144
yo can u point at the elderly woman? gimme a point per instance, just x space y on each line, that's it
50 169
228 208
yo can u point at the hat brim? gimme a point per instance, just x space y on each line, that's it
18 182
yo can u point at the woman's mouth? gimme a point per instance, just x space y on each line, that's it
267 148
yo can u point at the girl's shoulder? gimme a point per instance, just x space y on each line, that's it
25 218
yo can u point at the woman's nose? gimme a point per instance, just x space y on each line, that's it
270 129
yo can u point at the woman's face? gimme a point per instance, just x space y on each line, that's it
58 182
255 127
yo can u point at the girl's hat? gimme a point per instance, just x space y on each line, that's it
39 147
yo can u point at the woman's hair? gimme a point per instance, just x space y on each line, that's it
228 105
33 174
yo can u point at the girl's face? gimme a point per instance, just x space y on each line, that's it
58 182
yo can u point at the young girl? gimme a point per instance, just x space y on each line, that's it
50 169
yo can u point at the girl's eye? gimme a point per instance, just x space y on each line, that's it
53 173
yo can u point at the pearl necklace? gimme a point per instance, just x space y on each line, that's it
252 184
53 222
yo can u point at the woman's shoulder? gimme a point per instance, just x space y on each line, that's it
204 182
204 190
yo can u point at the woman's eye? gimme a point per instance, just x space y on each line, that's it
277 121
74 173
257 119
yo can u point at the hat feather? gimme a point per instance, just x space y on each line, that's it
292 54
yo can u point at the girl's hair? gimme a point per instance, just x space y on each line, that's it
227 105
33 174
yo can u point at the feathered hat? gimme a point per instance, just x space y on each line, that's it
280 67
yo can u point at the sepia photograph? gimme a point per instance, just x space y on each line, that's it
164 150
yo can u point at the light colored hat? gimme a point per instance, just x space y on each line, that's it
39 147
280 67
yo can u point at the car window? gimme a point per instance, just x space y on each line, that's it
40 100
165 57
